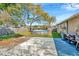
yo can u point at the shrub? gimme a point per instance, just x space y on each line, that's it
56 35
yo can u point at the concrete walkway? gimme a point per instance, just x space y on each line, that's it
35 46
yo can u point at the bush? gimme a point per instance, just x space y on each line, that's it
5 31
56 35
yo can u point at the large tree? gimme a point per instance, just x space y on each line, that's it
19 13
37 14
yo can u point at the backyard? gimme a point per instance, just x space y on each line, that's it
29 30
18 34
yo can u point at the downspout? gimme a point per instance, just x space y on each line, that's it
67 26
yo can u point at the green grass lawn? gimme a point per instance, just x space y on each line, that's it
29 34
26 33
41 35
6 37
56 35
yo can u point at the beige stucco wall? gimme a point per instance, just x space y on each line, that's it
61 26
72 24
59 29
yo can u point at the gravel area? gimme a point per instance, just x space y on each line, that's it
35 46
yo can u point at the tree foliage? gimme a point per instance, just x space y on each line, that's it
16 13
38 14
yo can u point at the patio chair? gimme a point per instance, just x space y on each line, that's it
77 41
65 37
72 39
71 36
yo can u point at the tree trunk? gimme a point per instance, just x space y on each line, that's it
49 29
30 27
32 22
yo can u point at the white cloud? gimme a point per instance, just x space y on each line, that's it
74 6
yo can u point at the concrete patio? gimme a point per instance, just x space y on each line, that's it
35 46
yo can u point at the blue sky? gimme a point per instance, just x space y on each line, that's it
61 11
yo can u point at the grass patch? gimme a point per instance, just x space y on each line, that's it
26 33
29 34
56 35
6 37
41 35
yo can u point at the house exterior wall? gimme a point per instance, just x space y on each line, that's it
58 29
73 25
62 27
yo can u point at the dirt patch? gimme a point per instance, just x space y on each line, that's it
4 43
13 41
